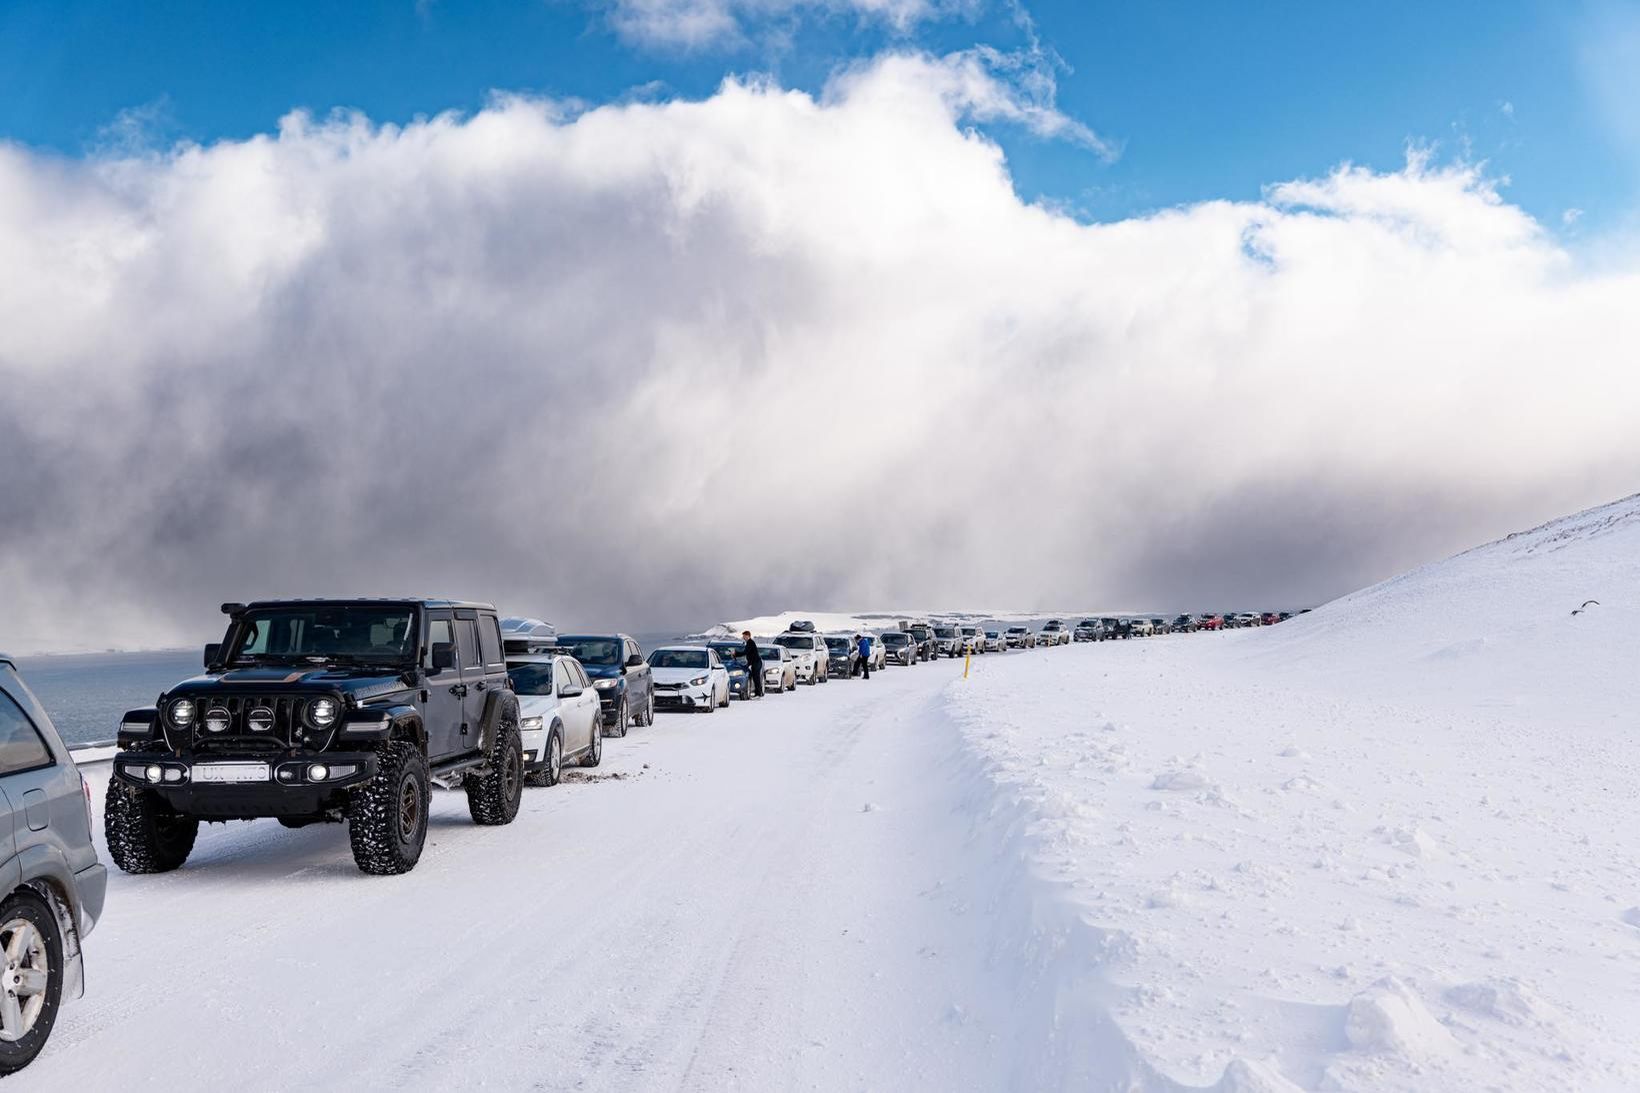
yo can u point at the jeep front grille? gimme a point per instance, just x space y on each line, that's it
243 712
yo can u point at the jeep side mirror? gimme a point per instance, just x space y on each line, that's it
443 656
212 651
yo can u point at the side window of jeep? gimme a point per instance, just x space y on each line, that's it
489 645
467 639
439 632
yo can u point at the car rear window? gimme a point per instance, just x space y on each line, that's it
21 747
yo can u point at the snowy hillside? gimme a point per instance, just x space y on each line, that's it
1387 845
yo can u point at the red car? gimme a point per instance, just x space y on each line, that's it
1269 618
1210 622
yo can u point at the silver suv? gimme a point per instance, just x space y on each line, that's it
52 892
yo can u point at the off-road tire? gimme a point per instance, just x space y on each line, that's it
595 755
145 834
387 816
493 797
547 776
25 907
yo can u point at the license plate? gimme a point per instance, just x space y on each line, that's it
230 772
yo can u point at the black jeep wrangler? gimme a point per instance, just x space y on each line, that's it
315 711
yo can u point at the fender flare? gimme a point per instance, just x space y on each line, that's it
497 703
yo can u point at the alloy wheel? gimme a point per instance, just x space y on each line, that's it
26 976
409 808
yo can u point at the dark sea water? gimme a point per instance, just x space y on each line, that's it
86 693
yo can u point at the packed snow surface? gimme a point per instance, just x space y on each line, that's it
1385 846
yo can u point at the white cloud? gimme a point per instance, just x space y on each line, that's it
694 24
672 362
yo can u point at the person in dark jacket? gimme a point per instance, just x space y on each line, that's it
865 655
754 662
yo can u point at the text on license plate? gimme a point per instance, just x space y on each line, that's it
230 772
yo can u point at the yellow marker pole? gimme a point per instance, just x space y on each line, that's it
967 659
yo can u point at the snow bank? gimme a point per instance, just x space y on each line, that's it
1383 846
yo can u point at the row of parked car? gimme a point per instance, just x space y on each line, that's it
1139 626
351 711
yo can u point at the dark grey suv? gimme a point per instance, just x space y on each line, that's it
51 884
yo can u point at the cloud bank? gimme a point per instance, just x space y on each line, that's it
661 364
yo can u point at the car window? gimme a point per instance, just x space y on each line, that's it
439 632
531 677
21 747
467 641
489 642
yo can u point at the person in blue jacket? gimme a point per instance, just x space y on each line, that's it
864 664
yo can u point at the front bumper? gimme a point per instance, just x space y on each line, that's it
287 791
690 698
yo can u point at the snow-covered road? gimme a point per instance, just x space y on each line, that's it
780 895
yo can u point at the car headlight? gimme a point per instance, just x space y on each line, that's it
529 724
217 719
182 713
698 681
603 684
321 713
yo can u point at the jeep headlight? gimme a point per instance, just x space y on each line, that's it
698 681
529 724
321 713
182 713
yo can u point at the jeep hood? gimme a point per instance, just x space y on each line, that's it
356 683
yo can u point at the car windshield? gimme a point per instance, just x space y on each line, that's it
530 677
896 639
730 651
319 632
678 658
837 645
795 641
770 652
600 652
944 632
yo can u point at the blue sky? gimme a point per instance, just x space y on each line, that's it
1204 100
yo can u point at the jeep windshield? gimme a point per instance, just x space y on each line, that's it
795 641
944 632
594 652
316 633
